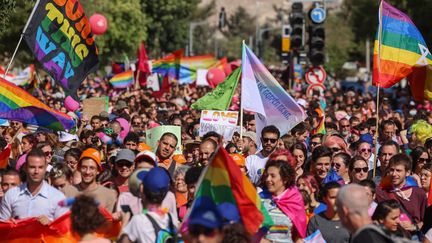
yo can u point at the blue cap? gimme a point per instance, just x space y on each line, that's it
367 138
156 180
206 214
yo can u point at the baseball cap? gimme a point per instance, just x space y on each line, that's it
148 155
93 154
206 214
125 154
156 180
121 104
135 180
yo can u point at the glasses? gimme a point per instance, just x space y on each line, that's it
335 149
200 230
48 153
14 123
336 166
365 150
364 169
121 164
136 123
423 160
343 126
271 140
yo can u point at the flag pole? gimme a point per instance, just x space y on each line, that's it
378 91
241 103
21 37
136 85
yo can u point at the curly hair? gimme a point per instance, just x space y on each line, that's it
85 215
286 172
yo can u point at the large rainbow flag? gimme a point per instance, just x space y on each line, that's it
18 105
401 52
122 80
223 183
59 231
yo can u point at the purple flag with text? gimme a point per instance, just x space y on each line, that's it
261 93
60 37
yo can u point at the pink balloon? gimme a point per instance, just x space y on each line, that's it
71 104
126 127
98 24
215 76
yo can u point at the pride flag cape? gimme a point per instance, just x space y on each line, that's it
18 105
223 183
59 231
122 80
399 52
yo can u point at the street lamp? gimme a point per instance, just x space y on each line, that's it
192 27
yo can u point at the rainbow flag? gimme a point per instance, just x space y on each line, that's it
60 230
122 80
18 105
401 52
223 183
168 65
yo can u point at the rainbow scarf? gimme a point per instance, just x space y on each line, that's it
223 183
18 105
399 52
122 80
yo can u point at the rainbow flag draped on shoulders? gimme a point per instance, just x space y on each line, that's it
122 80
401 52
223 183
18 105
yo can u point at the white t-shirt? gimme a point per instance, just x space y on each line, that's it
141 230
429 235
255 167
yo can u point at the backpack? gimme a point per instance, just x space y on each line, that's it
163 235
391 238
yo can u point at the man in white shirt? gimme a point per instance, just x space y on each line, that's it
35 197
255 163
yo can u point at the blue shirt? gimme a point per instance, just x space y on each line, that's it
19 203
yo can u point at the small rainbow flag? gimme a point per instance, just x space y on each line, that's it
122 80
223 183
18 105
399 52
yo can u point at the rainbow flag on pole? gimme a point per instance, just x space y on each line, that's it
223 183
401 52
122 80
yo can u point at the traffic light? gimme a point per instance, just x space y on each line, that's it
297 20
316 44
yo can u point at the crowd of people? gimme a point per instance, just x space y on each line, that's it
363 180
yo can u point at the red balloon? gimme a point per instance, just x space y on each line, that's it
215 76
98 24
227 69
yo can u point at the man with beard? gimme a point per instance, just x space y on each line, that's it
206 150
345 128
35 197
166 146
255 163
90 166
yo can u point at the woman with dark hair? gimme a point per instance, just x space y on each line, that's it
340 164
387 214
71 158
420 157
425 177
86 219
283 202
358 169
299 152
28 142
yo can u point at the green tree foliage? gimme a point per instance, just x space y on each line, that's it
127 27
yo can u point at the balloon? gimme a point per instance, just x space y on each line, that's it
71 104
215 76
98 24
227 69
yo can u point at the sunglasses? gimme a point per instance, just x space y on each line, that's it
124 164
136 123
423 160
314 143
336 166
345 125
200 230
335 149
364 169
365 150
48 153
271 140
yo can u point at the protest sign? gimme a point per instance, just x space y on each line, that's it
94 106
222 122
153 135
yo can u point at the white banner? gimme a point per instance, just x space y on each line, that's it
222 122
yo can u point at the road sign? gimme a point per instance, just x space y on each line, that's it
318 87
318 15
315 75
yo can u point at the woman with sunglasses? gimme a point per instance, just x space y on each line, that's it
336 144
358 169
283 202
420 157
340 166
